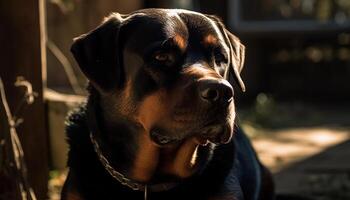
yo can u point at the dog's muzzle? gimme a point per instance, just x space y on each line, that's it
213 99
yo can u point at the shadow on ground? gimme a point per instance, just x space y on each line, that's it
307 147
324 176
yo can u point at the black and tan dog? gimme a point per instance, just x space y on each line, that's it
159 119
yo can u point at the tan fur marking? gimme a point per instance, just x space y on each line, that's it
181 164
210 40
146 160
180 41
152 109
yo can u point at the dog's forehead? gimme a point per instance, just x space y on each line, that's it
162 24
147 26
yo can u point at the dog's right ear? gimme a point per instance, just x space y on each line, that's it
99 56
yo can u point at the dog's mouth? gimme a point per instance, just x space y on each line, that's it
217 133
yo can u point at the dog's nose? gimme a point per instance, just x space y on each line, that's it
215 90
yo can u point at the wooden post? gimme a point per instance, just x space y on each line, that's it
22 53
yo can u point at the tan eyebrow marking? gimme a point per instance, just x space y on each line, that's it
180 41
210 40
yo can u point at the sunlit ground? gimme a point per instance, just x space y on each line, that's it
281 148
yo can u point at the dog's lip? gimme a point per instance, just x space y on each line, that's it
217 133
164 141
161 139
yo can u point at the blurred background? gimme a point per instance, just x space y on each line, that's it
296 109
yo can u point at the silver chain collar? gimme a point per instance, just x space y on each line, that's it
136 186
114 173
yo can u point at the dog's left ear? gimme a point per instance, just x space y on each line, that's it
237 52
237 58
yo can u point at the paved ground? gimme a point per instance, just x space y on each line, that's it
323 176
314 162
307 147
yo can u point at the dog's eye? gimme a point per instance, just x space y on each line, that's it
163 57
219 57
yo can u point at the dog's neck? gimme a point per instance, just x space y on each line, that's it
131 152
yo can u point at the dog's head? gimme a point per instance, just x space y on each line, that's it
166 72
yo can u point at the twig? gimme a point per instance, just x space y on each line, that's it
25 190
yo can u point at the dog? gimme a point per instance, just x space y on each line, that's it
159 121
